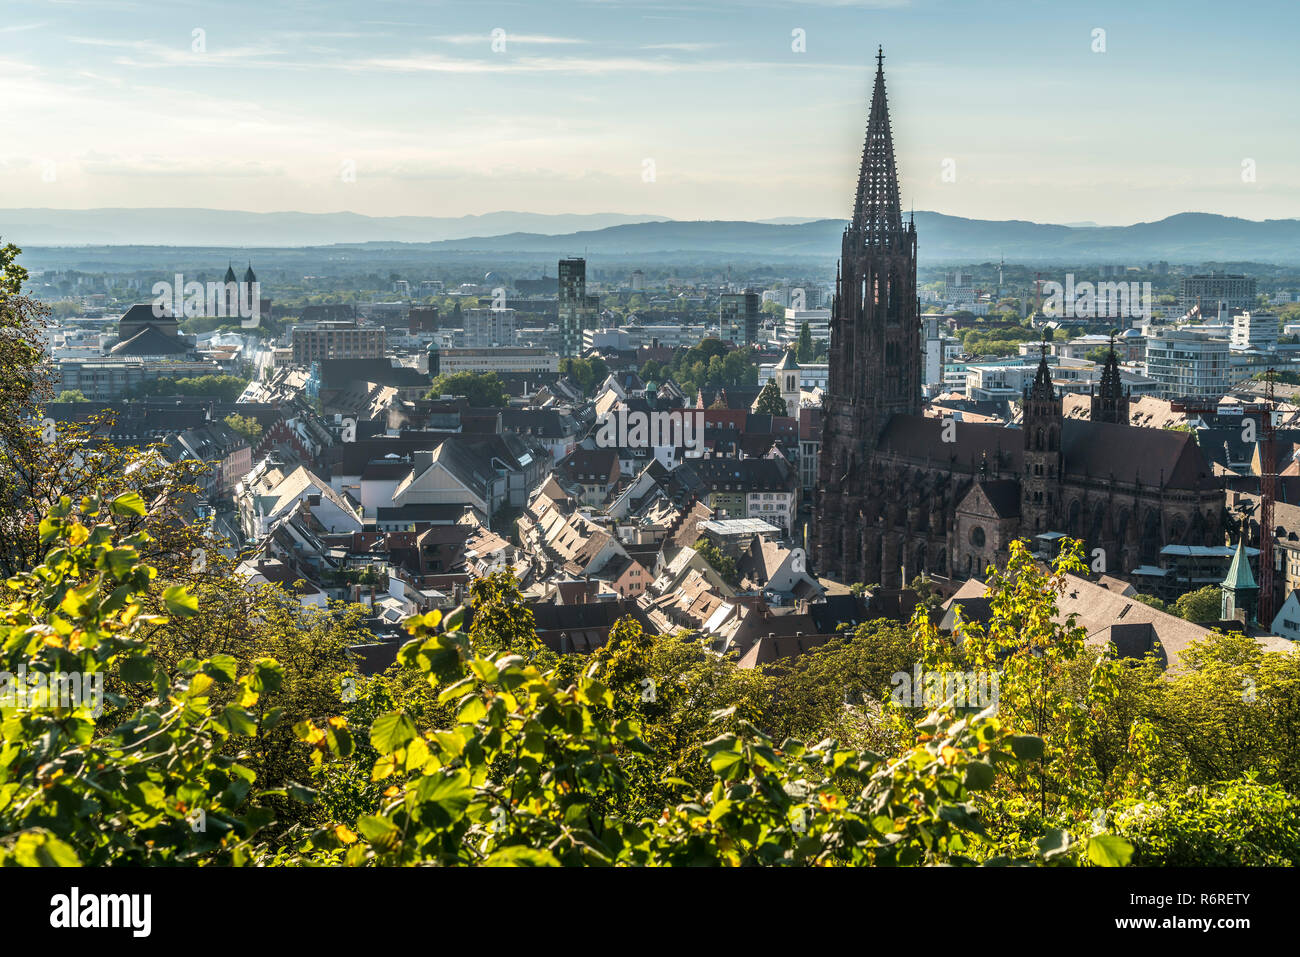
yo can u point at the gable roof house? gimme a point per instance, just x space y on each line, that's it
267 493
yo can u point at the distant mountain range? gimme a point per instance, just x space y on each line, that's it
1183 238
221 227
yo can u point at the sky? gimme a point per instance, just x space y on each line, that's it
718 109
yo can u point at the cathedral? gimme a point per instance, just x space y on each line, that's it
900 493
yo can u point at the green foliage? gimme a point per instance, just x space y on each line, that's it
708 365
807 352
483 747
997 340
522 775
1240 823
588 373
839 688
1203 604
769 401
502 622
147 784
227 388
70 395
1157 603
245 425
719 561
482 389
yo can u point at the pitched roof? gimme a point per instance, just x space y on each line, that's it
150 341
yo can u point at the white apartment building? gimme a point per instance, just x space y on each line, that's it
489 328
452 361
1255 330
1187 363
819 324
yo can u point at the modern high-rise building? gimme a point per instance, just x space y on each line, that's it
489 328
1208 290
576 310
337 340
1189 365
739 311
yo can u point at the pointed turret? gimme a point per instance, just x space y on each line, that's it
1042 389
1110 404
249 276
230 273
1240 591
877 213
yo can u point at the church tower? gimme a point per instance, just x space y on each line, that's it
875 349
788 381
1042 424
1109 403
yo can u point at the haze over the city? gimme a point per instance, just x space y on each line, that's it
718 110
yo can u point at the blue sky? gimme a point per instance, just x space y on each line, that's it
109 104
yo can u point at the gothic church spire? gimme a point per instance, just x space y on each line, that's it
877 213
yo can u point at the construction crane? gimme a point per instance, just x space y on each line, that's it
1267 483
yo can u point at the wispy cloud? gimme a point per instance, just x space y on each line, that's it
470 39
681 47
433 63
148 53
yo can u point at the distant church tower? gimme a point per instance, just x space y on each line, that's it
1043 422
787 380
235 290
875 350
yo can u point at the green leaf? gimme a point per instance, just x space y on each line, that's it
239 720
521 857
1108 850
180 604
390 731
979 775
126 504
42 849
136 668
1027 747
222 667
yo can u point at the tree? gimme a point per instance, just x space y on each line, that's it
482 389
224 387
71 395
1203 604
806 352
522 776
769 400
131 787
588 373
245 425
719 561
25 379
